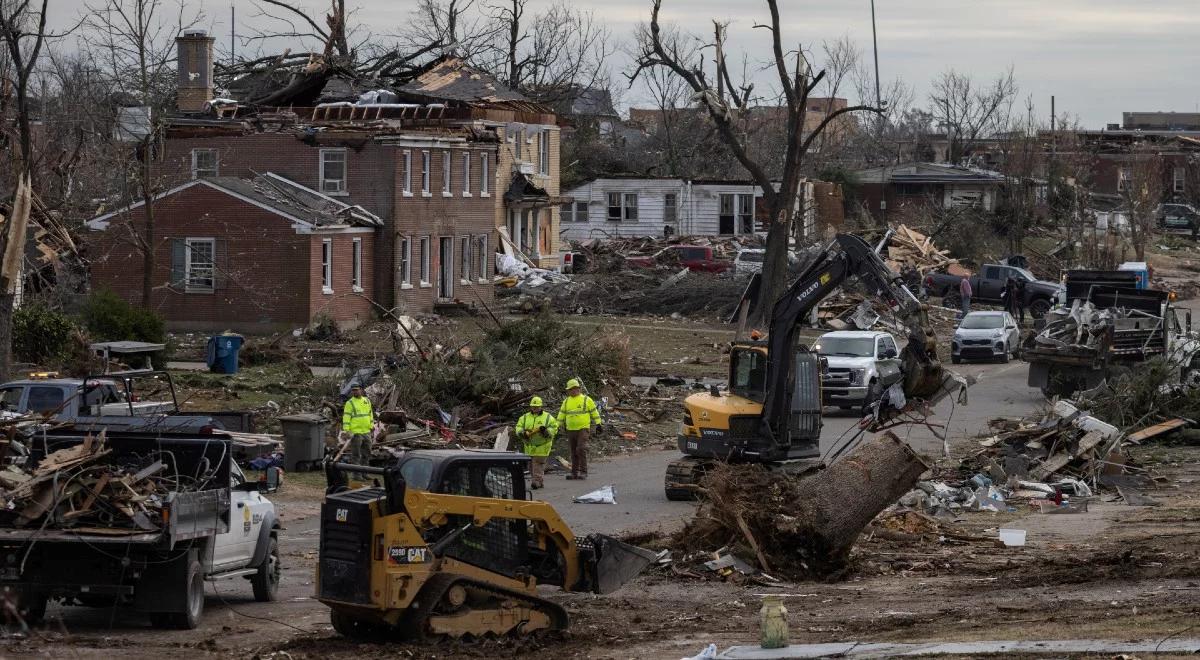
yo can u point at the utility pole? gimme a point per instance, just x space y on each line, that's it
875 47
232 35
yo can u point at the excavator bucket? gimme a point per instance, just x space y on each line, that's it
614 563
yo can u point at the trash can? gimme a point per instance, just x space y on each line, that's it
222 353
303 441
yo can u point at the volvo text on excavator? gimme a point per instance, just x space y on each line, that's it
449 546
771 411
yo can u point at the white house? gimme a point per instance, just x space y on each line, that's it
614 207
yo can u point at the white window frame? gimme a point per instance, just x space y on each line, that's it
405 262
466 174
485 171
425 165
673 206
406 160
464 259
742 212
327 266
447 162
544 152
626 216
1124 174
426 261
342 184
481 258
609 206
187 265
216 162
1178 178
356 265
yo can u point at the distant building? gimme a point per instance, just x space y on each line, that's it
887 190
623 207
1161 121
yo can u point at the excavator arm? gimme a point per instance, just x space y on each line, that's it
847 257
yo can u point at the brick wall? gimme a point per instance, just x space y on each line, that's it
370 170
341 301
436 215
264 277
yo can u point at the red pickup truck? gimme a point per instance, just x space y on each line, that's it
696 258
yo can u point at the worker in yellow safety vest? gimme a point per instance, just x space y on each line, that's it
578 415
537 429
358 421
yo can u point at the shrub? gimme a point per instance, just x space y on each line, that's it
40 334
110 318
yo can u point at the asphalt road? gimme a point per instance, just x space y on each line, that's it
638 478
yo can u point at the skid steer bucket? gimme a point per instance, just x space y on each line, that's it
614 563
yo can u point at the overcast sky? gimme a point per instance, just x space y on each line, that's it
1099 57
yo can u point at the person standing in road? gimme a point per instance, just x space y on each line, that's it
1010 296
578 415
1021 300
537 429
964 293
358 421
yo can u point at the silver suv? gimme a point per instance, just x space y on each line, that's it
862 365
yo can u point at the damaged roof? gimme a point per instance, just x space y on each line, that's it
277 194
452 79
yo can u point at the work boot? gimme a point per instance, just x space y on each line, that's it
573 477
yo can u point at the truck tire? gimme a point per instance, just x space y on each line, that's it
1004 357
189 619
1039 307
266 580
32 608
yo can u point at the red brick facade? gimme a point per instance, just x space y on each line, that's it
375 180
268 276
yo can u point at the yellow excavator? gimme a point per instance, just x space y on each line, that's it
449 546
771 411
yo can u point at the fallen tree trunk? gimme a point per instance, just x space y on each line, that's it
802 526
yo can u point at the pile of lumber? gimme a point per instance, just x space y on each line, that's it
1065 443
911 248
74 488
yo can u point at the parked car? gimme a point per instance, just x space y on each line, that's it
985 335
987 286
696 258
861 366
750 261
1181 219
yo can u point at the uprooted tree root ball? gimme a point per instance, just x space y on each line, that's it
801 526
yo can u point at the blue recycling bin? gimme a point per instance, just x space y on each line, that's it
222 353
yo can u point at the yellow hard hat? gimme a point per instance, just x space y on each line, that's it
574 382
535 402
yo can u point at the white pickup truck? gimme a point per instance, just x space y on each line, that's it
861 366
214 526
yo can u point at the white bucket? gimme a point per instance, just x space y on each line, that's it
1012 537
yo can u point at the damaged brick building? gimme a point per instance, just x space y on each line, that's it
453 165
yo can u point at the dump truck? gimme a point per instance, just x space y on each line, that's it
137 520
449 546
1106 325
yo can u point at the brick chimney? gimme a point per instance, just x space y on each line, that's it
195 70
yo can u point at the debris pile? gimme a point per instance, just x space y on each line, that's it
600 256
801 526
1147 395
909 248
644 292
1065 443
73 488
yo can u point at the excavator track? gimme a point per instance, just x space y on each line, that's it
434 615
682 482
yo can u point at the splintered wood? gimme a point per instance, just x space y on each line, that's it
909 247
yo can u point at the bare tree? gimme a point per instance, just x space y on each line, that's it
455 25
1141 177
133 45
547 55
1021 201
712 86
968 111
23 33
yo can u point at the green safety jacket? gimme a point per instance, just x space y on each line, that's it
578 412
357 416
537 443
